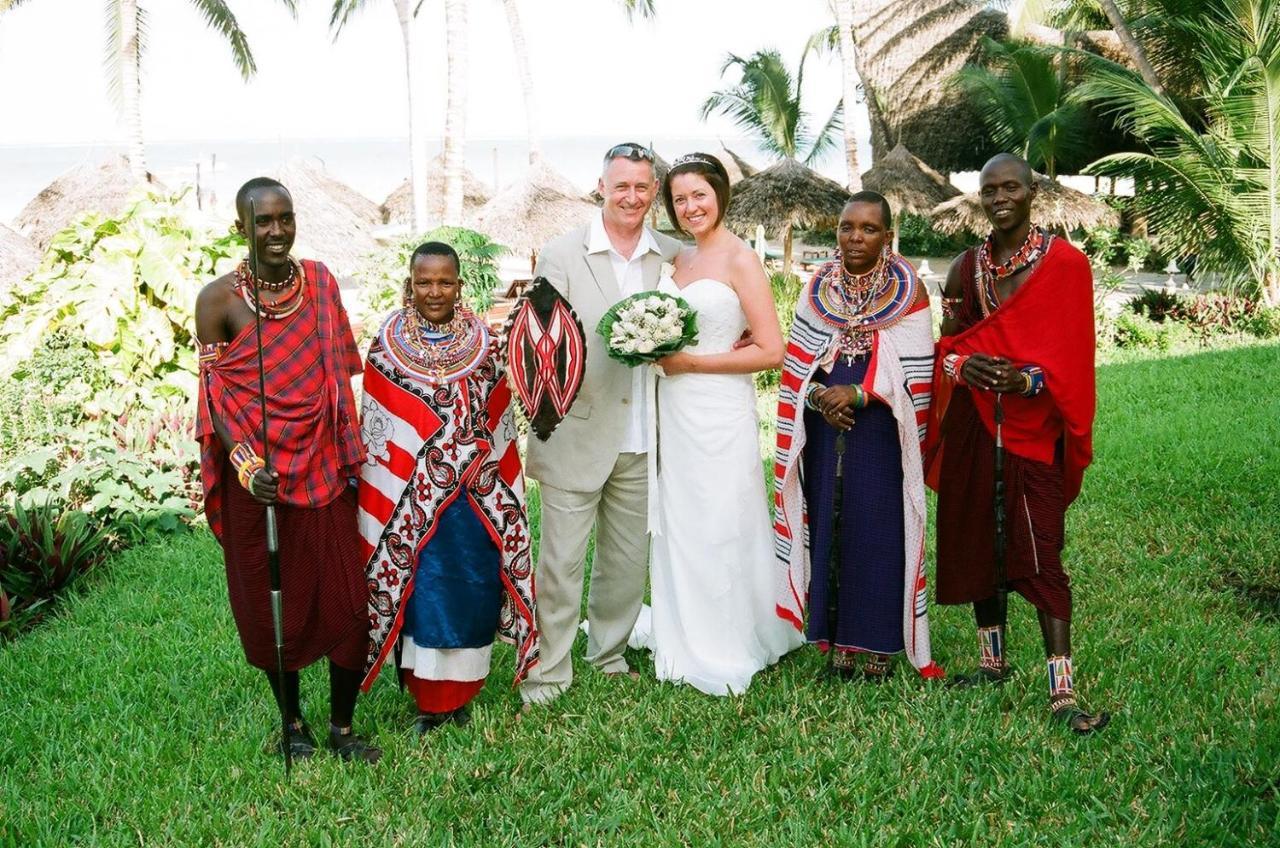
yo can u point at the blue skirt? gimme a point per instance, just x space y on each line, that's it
457 586
871 533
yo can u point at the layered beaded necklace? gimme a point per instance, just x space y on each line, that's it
1032 250
437 353
858 304
250 290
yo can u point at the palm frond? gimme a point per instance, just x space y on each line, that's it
829 137
219 17
639 8
342 12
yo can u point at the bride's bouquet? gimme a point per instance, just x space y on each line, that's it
648 326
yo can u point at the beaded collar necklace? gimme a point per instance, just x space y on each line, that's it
283 306
1031 251
858 304
436 353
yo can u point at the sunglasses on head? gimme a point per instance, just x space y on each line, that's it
630 151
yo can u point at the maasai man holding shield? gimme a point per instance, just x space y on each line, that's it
308 358
1013 386
850 517
442 515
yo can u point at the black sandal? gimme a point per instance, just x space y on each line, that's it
427 722
300 741
1081 722
352 748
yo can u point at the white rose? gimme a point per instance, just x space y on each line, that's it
644 346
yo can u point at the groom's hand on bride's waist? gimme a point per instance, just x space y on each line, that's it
745 340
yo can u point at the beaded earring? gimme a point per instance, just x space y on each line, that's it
407 300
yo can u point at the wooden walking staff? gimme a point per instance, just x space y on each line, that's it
1002 577
273 541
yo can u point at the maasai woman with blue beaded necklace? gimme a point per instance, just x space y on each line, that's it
441 503
851 410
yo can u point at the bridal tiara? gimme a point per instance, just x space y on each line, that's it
692 159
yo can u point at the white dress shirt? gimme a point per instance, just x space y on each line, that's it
627 270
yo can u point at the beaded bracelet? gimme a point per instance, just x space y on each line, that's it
953 366
814 388
1033 380
247 464
860 397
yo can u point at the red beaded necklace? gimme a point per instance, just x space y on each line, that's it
1031 251
281 307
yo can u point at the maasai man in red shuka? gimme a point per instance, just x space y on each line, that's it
309 355
1018 332
442 516
854 397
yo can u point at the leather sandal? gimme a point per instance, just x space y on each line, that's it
352 748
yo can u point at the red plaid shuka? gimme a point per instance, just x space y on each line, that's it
310 357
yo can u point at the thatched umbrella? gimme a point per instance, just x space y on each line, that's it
18 257
738 168
530 212
335 221
1055 206
784 196
908 184
101 188
398 207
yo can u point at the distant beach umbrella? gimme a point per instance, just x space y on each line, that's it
398 207
18 257
782 197
908 183
738 168
101 188
527 214
1056 207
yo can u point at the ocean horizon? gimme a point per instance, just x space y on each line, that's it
372 166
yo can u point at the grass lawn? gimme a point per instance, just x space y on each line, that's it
131 718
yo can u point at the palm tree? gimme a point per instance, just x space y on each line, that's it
1212 164
405 13
455 116
521 51
126 28
849 74
766 103
1026 104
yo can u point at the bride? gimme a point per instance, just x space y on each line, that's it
714 623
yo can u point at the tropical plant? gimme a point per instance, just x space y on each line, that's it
766 103
1026 104
124 287
126 43
1209 180
382 282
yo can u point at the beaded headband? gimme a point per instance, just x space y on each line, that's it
692 159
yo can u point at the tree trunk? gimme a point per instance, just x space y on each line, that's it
848 62
417 143
1131 45
786 249
455 120
521 52
131 86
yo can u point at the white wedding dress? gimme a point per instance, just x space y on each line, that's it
712 568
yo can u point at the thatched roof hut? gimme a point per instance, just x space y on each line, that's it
102 188
398 207
335 222
907 182
530 212
738 168
18 257
1056 206
784 196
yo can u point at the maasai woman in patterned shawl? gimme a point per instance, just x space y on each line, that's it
855 396
441 503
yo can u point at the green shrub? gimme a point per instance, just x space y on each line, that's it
917 237
786 291
382 280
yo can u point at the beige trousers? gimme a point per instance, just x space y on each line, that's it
618 510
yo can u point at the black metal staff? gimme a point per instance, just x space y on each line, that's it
273 542
833 559
1002 577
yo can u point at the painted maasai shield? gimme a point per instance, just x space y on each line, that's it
547 355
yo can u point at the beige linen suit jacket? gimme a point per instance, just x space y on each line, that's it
582 451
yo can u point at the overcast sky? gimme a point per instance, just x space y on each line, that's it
595 74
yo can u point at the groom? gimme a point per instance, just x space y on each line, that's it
593 470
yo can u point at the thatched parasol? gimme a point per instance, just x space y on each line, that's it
18 257
908 183
335 222
784 196
527 214
398 207
738 168
101 188
1056 206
